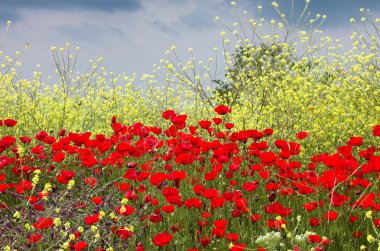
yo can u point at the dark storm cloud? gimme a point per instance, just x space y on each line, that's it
9 9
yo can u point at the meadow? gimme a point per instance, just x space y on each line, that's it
280 154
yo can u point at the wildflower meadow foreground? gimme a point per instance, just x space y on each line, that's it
185 187
279 152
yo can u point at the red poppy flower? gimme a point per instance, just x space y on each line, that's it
204 124
222 109
229 125
376 130
310 206
43 223
355 141
218 232
10 122
250 186
315 238
193 202
25 140
220 223
354 218
168 208
157 178
59 157
232 237
80 245
376 222
302 135
97 200
331 215
314 222
125 210
23 186
92 219
217 121
162 239
268 131
39 207
238 247
168 114
356 234
277 208
255 217
34 238
210 193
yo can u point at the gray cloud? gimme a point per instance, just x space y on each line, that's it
9 9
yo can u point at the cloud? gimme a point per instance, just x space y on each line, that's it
9 9
134 37
338 12
102 5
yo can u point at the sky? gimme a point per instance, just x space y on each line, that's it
132 35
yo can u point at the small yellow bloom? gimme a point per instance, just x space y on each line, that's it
48 187
66 245
71 184
80 229
123 209
72 237
102 214
67 225
370 238
57 222
368 214
17 215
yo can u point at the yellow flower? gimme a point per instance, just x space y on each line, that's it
370 238
101 214
67 225
17 215
57 222
71 184
368 214
80 229
123 209
66 245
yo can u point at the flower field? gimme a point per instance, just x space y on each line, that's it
185 187
282 153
